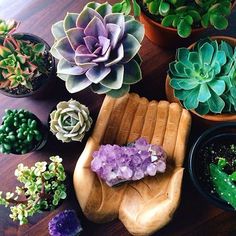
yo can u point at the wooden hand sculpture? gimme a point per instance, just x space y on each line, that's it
146 205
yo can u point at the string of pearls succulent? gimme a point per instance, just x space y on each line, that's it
70 121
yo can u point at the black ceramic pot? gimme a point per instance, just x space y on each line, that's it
224 133
41 91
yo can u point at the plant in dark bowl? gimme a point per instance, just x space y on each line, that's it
25 63
42 189
7 27
203 76
21 132
212 165
178 18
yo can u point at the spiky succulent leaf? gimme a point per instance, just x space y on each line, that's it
95 47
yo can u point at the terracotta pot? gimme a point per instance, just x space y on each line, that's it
210 117
41 91
167 37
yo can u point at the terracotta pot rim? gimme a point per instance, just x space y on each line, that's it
213 117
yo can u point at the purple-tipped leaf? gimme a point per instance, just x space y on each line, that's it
118 56
105 43
114 34
97 73
65 67
65 50
75 37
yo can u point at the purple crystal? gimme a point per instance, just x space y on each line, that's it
115 164
65 223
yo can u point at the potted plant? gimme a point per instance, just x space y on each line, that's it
43 189
173 23
98 49
70 121
21 132
26 66
202 79
212 165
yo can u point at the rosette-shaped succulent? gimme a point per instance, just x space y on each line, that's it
7 26
98 48
70 121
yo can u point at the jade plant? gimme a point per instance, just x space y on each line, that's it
183 14
70 121
20 132
203 78
98 49
7 27
42 188
224 183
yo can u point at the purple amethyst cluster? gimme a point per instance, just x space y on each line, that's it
116 164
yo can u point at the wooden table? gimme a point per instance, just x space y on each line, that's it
195 216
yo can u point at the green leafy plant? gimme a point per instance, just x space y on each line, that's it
224 184
7 27
42 188
20 132
20 62
182 14
204 78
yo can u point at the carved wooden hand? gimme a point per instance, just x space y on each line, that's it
147 205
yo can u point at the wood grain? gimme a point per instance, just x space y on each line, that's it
195 216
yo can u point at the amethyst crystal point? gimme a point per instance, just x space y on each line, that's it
65 223
115 164
97 48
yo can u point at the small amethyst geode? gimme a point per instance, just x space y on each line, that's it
65 223
116 164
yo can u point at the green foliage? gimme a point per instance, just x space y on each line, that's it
43 188
204 78
20 62
223 183
7 27
183 14
20 132
125 7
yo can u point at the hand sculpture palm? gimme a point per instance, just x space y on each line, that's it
147 205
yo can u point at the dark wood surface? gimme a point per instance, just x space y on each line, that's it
194 217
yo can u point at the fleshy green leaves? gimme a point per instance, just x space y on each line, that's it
203 78
125 7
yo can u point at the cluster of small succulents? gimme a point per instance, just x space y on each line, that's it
116 164
224 183
184 14
70 121
204 78
7 27
43 188
65 223
20 62
20 132
98 49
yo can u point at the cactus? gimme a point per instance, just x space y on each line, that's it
70 121
20 132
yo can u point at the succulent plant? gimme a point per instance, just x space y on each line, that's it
70 121
7 27
204 78
43 188
20 62
224 184
20 132
183 14
98 49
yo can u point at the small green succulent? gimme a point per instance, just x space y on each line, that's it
204 78
182 14
223 183
7 27
20 62
43 188
20 132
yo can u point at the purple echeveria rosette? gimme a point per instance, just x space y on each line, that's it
98 49
115 164
65 223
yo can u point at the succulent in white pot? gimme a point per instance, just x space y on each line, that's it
70 121
98 49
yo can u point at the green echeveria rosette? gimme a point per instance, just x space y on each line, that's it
70 121
98 49
203 77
